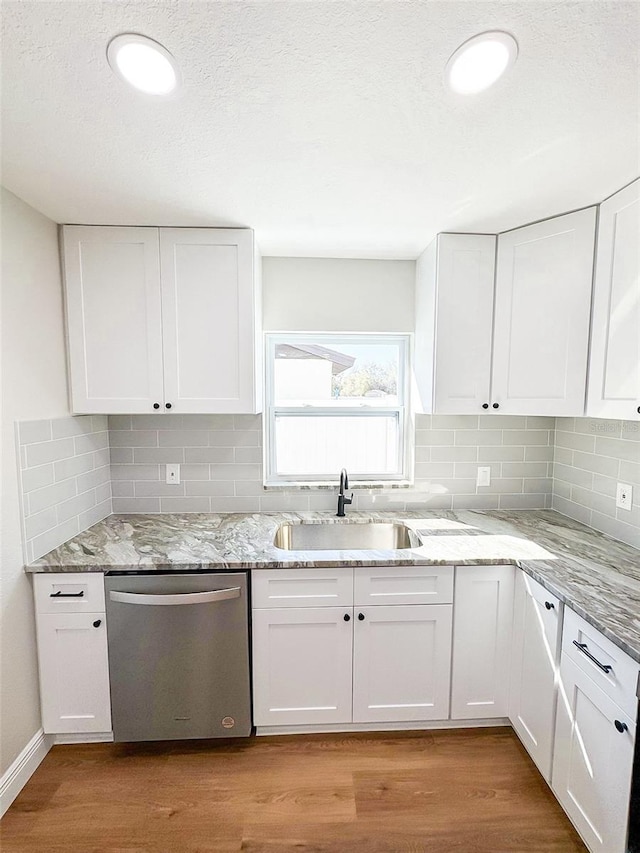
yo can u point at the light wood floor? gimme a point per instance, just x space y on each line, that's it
465 791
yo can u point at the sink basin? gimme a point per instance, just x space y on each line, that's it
371 536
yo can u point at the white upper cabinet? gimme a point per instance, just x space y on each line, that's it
114 318
454 315
208 319
162 319
614 367
541 323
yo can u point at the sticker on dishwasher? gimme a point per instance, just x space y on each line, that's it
228 722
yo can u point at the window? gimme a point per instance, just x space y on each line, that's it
336 401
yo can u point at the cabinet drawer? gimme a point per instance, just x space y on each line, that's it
404 585
301 588
620 682
69 592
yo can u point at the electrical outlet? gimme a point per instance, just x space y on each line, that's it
173 474
484 477
624 496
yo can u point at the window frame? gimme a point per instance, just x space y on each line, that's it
404 341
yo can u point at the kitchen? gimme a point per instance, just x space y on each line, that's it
343 263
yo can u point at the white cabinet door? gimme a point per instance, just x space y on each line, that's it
464 316
401 661
537 629
74 672
114 325
209 317
541 329
483 616
614 366
593 760
302 665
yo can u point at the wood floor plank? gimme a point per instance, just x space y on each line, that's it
462 791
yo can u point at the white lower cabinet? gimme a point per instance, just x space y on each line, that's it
72 652
74 672
593 759
401 663
482 625
342 664
302 659
537 631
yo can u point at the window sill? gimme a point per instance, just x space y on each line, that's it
297 485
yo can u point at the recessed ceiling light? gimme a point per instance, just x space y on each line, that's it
478 63
143 63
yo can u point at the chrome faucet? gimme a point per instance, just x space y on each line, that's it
344 484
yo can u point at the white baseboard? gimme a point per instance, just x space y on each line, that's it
413 726
25 765
85 737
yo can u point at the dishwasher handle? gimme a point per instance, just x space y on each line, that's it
180 598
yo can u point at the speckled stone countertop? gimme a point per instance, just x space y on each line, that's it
596 576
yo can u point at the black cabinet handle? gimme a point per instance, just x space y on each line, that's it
496 405
346 617
639 410
361 617
485 405
585 651
97 623
167 405
61 594
156 405
549 605
622 727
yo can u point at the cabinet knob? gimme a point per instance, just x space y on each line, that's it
639 410
622 727
485 405
167 405
156 405
97 623
496 405
549 605
361 617
346 617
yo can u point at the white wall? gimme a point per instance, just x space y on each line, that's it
337 295
33 386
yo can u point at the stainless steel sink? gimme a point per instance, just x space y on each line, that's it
368 536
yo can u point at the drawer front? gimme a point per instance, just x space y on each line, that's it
403 585
620 682
69 592
301 588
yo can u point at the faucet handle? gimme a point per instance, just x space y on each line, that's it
349 500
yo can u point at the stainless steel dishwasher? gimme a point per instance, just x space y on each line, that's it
178 656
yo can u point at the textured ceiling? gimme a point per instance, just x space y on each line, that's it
325 126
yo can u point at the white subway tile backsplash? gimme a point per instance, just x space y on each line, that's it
209 454
37 478
51 495
48 451
133 438
185 505
66 479
183 438
592 455
221 469
132 505
142 455
67 427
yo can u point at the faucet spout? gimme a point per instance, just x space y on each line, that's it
342 500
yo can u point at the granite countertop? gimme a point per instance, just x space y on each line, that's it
596 576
